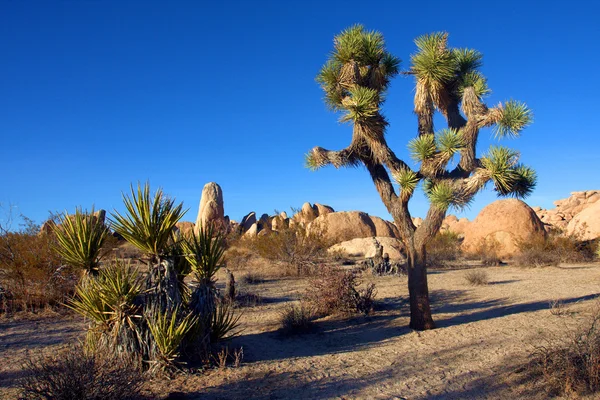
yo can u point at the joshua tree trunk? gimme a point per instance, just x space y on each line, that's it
162 285
420 311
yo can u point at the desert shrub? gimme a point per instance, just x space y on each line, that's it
73 374
333 291
252 278
444 247
32 275
246 298
487 252
297 319
299 249
157 319
569 362
554 249
477 278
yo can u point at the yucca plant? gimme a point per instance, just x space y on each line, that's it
156 320
148 225
79 240
169 329
448 80
109 303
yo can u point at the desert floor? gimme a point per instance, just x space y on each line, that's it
479 351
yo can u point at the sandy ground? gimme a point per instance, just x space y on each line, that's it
484 337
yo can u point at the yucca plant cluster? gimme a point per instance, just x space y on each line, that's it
449 81
159 318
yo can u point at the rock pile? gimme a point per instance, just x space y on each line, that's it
567 209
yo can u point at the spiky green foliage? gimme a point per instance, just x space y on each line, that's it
169 330
204 251
422 147
225 322
467 60
359 59
510 178
441 195
407 180
79 239
475 80
310 161
524 182
515 117
450 142
433 63
149 222
108 300
362 103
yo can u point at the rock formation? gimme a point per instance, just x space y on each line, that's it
506 222
211 209
566 209
585 225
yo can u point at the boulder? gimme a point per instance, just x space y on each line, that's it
322 209
366 247
505 221
417 221
252 231
385 228
586 224
248 221
185 227
211 209
338 227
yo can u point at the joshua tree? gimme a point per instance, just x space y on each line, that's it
448 80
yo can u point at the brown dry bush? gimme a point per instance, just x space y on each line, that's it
444 247
71 374
32 276
334 291
297 319
569 363
487 252
298 249
477 278
554 249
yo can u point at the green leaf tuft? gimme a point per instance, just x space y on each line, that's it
515 117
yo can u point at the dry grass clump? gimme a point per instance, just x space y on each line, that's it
32 275
488 252
444 247
297 319
570 364
73 374
477 278
334 291
252 278
295 247
553 250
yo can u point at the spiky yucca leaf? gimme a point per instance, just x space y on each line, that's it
328 79
363 103
524 182
477 81
149 222
225 322
441 195
499 163
422 147
467 60
310 161
433 63
407 180
110 297
79 239
450 141
348 44
204 251
515 117
169 330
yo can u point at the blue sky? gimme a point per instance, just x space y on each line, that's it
95 95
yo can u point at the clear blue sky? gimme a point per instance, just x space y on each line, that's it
95 95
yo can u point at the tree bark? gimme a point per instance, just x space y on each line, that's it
420 310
